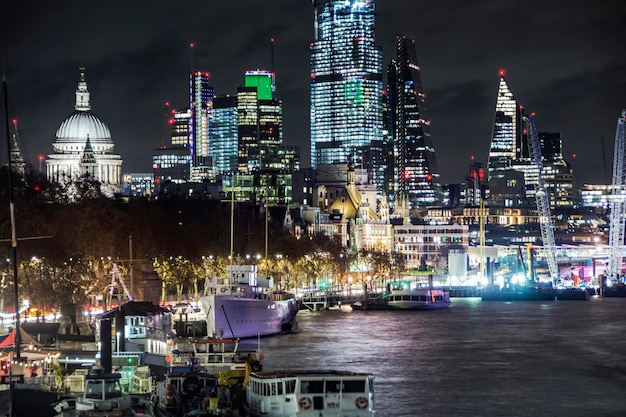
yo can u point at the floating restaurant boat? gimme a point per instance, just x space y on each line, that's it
418 299
246 306
310 393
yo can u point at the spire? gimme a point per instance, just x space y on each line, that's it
89 156
82 94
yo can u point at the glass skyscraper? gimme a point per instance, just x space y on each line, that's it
260 121
417 177
201 106
506 138
224 133
506 163
346 81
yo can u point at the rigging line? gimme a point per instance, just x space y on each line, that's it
228 321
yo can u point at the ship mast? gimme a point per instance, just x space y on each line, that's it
18 334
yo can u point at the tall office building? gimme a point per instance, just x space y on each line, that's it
260 121
224 133
201 107
506 184
174 163
417 178
346 81
558 173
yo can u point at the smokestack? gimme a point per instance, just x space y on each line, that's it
106 350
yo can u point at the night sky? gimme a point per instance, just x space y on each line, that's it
564 60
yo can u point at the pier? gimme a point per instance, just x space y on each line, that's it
324 300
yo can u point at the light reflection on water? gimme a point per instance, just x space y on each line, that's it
561 358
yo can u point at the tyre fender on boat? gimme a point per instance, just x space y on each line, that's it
305 403
361 403
191 385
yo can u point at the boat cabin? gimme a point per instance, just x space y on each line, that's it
304 393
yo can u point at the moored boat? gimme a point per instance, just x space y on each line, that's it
310 393
103 396
418 299
246 306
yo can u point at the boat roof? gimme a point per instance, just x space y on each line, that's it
302 373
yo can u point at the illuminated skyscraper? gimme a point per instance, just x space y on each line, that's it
201 107
506 184
224 133
415 166
346 81
260 121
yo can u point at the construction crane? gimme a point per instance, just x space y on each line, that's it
542 198
618 203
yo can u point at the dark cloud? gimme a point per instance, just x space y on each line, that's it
564 60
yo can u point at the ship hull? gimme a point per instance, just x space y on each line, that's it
239 317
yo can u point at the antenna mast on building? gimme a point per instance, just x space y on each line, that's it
272 55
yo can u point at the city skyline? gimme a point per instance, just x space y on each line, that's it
562 60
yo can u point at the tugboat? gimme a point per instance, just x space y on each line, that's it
103 395
208 380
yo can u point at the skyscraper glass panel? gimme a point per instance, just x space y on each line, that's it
346 81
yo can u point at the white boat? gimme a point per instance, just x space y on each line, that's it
418 298
244 306
310 393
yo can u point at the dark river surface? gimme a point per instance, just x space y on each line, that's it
476 358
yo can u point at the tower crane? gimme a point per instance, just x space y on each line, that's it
618 203
542 198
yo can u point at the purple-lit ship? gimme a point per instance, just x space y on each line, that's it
245 306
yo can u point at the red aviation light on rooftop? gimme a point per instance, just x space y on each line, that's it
533 114
191 45
40 157
14 122
501 72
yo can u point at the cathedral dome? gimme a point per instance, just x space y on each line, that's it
82 124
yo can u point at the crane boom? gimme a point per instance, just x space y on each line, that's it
542 199
618 203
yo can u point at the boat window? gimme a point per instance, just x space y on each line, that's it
422 298
312 387
415 298
112 390
290 386
333 386
94 390
279 388
273 388
354 386
406 298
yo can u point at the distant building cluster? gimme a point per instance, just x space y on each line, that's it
373 180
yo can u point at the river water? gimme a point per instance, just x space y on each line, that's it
559 358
